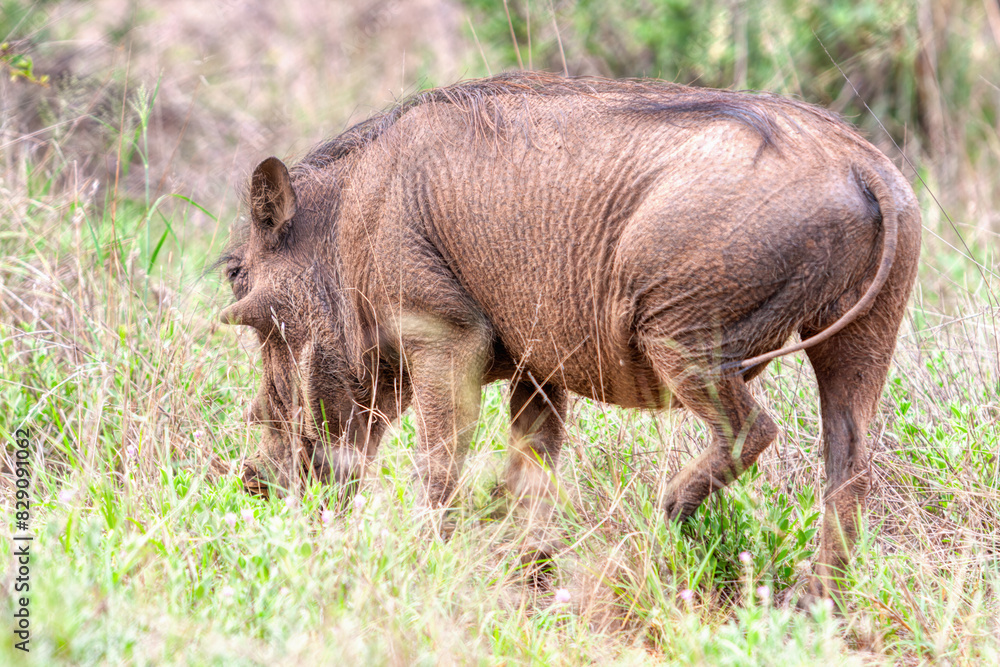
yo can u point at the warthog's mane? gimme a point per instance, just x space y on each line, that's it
669 102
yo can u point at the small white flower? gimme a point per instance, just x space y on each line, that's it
246 514
291 502
327 517
230 519
199 434
130 452
764 593
745 557
66 496
687 594
562 596
227 592
359 502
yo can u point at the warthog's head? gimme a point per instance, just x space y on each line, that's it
282 276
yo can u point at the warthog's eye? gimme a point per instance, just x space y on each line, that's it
232 273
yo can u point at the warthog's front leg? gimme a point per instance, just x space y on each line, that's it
345 462
536 435
445 366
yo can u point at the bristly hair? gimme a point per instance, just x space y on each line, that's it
670 102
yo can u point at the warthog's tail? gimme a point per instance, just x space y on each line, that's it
890 225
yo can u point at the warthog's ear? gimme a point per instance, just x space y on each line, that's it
272 199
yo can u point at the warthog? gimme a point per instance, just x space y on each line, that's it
640 243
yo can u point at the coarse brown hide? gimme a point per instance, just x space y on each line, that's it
636 242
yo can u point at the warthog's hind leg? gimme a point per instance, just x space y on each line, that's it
740 429
850 369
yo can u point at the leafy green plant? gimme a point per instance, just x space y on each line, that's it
20 66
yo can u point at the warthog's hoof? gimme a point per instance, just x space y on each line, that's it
683 496
694 482
678 510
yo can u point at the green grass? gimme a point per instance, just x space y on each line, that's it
129 388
